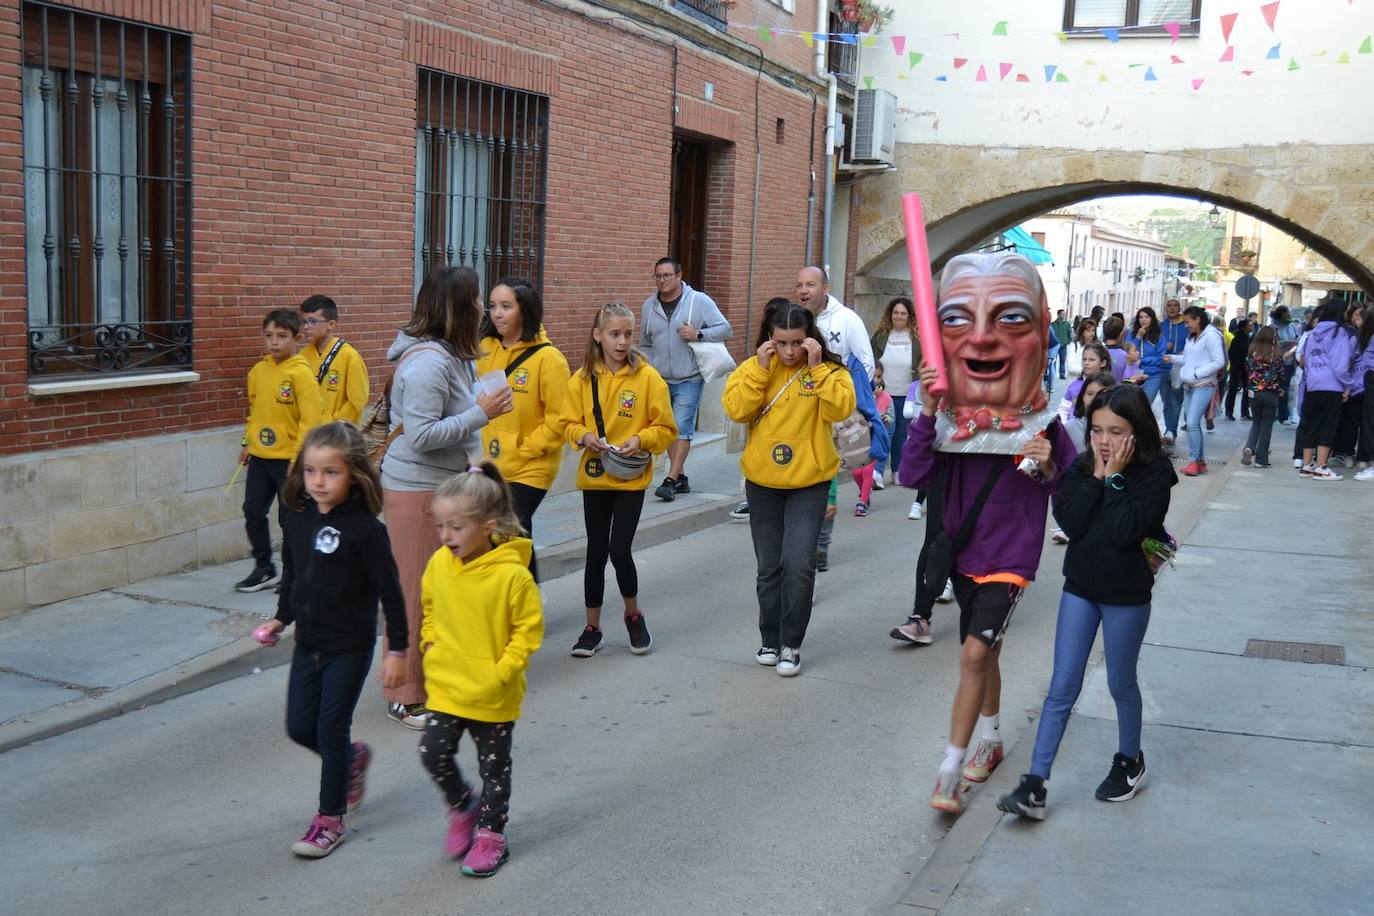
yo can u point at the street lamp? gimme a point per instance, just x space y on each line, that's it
1214 215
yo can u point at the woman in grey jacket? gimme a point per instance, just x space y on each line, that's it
440 412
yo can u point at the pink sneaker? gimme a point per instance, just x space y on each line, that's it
488 853
946 796
357 774
985 759
324 835
460 827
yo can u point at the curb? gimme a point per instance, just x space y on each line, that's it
244 656
937 880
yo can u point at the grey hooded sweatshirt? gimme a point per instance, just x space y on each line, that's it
434 394
658 338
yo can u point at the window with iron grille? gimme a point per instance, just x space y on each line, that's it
1142 17
480 156
107 193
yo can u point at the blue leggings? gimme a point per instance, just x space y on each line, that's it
1123 630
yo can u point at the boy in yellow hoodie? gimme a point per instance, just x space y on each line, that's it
527 442
283 405
617 403
338 368
483 619
790 394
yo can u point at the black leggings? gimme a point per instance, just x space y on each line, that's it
611 516
438 753
527 500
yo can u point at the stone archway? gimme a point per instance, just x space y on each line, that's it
1321 195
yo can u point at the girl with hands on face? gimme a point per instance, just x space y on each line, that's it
1113 497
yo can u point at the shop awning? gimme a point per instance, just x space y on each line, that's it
1026 246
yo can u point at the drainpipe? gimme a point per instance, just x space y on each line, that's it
811 189
827 217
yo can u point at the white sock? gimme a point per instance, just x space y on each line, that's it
989 730
954 759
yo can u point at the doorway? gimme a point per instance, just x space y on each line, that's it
687 222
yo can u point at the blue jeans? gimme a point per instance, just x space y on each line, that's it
1062 357
1151 387
1195 403
1123 631
686 397
900 424
1173 401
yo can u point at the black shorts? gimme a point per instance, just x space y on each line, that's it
985 609
1321 415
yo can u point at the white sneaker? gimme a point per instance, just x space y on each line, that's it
915 513
878 482
789 662
1058 536
1366 474
947 595
1297 463
1325 473
767 657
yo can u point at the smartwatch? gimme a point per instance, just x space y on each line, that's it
1115 481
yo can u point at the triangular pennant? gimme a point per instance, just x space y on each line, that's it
1049 71
959 62
1175 59
1060 78
1343 59
1228 22
1228 55
1150 76
1000 28
982 76
1134 66
843 38
1271 12
903 76
942 79
1102 77
823 36
1090 62
1274 52
1004 69
1197 84
1247 72
808 39
1364 46
898 44
1293 64
1112 35
765 33
870 40
1320 54
1173 28
913 58
1062 36
1022 78
868 82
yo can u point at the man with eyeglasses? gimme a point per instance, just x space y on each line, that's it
672 317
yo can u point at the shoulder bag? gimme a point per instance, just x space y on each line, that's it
377 432
935 566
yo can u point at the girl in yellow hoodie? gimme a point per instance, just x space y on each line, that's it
483 619
635 416
789 394
526 443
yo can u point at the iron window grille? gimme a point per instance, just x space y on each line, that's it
481 154
1142 17
107 193
842 53
711 12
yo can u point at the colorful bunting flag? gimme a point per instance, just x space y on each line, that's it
870 40
1274 52
913 58
898 44
1112 35
1343 59
1102 77
765 33
1062 36
1004 69
982 76
1175 59
1090 62
1197 84
942 79
1228 22
1049 72
1000 28
1173 28
1150 76
1364 45
1228 55
868 82
1293 64
1247 72
1022 78
959 62
1271 12
1060 78
808 39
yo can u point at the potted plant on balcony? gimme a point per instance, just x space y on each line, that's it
873 16
1247 257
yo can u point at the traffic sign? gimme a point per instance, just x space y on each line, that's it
1247 287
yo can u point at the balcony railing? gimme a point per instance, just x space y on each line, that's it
842 53
711 12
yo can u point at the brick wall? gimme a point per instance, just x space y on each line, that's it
304 178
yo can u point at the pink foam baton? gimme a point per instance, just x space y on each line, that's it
923 291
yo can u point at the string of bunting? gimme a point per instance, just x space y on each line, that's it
1056 73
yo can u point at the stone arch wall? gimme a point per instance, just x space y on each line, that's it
1322 195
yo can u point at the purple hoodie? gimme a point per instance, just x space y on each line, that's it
1363 363
1010 531
1329 358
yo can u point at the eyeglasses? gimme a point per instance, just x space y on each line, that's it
664 278
315 322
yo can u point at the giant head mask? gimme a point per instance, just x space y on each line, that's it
994 333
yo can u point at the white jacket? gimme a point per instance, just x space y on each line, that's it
844 333
1203 357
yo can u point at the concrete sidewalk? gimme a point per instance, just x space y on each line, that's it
1257 799
78 661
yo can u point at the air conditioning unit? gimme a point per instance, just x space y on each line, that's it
875 127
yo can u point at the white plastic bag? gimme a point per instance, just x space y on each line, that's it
713 358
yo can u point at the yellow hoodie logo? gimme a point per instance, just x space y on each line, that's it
520 379
627 404
285 395
332 380
782 454
594 467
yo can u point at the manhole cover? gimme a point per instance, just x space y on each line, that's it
1312 652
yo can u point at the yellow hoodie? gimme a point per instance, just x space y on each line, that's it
283 405
634 402
344 388
791 447
482 622
527 443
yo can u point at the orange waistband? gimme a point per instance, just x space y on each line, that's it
1009 578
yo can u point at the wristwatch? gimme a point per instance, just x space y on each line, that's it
700 336
1115 481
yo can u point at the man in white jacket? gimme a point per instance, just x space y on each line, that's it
843 328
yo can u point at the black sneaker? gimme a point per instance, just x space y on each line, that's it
260 578
1126 778
587 643
681 486
1027 800
667 491
741 511
822 561
638 629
